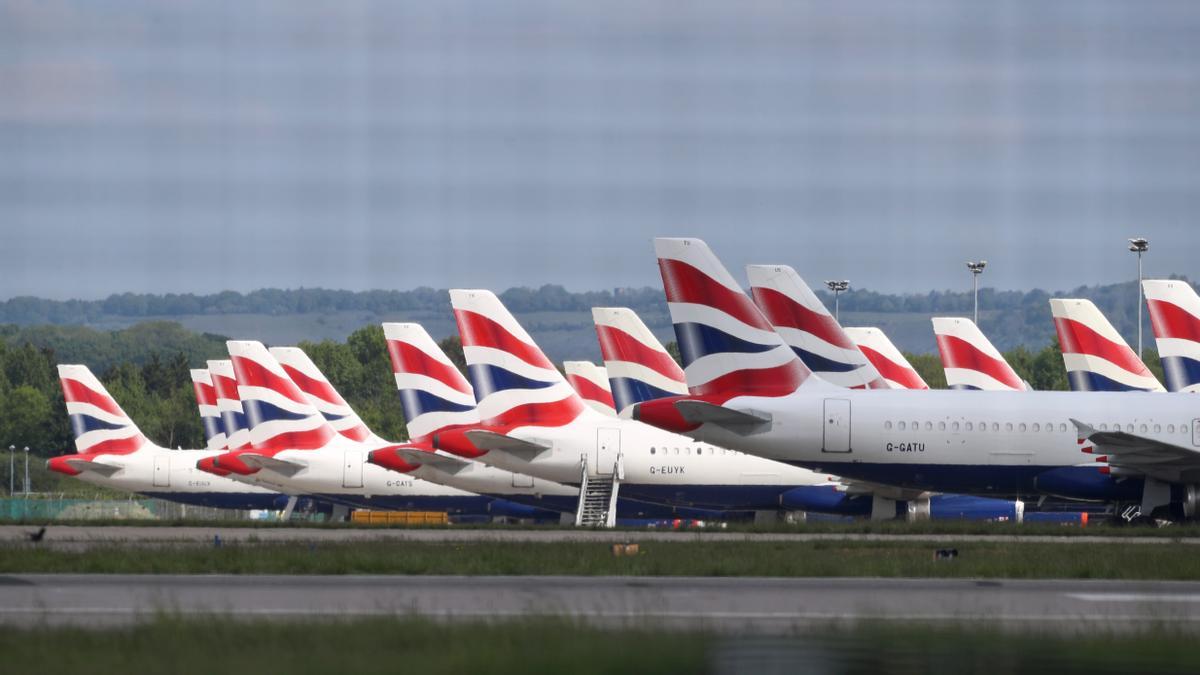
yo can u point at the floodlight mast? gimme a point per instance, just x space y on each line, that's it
837 286
1139 245
976 268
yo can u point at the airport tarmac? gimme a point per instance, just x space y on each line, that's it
762 605
75 535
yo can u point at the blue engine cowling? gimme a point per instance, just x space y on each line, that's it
964 507
1086 483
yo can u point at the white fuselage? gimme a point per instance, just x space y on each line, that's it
978 442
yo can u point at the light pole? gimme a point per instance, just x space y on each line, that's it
1139 245
12 468
837 287
27 472
976 269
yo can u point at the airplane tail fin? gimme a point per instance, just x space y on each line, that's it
639 368
590 381
1175 316
515 384
804 323
889 361
728 347
970 360
434 394
1096 356
321 393
206 399
229 405
278 413
97 421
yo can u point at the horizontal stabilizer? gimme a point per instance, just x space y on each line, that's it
282 467
441 462
702 412
101 468
490 440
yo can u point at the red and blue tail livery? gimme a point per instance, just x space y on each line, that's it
434 394
278 413
970 360
98 423
726 344
591 383
804 323
887 359
206 400
639 368
1096 356
515 384
305 374
1175 317
229 405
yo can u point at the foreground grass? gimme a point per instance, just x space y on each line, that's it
1013 560
377 645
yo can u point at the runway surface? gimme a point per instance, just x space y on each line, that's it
75 535
763 605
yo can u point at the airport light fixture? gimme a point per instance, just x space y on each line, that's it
837 286
27 472
12 468
976 268
1139 245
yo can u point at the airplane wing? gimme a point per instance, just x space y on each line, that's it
1138 454
101 468
441 462
737 421
490 440
862 487
280 466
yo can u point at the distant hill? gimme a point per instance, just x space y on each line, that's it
559 319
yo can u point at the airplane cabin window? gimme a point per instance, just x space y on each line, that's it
1103 427
1143 428
956 426
1157 428
1062 426
887 425
916 426
652 451
900 426
1036 427
1129 428
995 426
1008 426
1170 428
968 426
929 426
1022 427
941 426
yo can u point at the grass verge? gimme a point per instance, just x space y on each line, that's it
1010 560
378 645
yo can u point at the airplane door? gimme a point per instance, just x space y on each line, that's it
162 471
837 425
608 444
1196 432
352 473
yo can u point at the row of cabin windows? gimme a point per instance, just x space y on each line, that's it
1035 427
688 451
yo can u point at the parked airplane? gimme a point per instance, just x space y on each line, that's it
896 371
206 399
418 460
801 319
1175 316
537 425
591 383
112 452
1096 356
644 355
970 360
748 390
229 405
293 448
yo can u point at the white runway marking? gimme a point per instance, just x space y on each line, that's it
1133 597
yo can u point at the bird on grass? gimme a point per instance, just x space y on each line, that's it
35 537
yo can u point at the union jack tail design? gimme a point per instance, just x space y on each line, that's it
801 319
1096 356
515 384
434 394
277 411
1175 316
639 368
206 399
970 360
229 405
590 381
727 345
305 374
889 361
99 424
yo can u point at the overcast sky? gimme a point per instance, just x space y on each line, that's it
200 146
